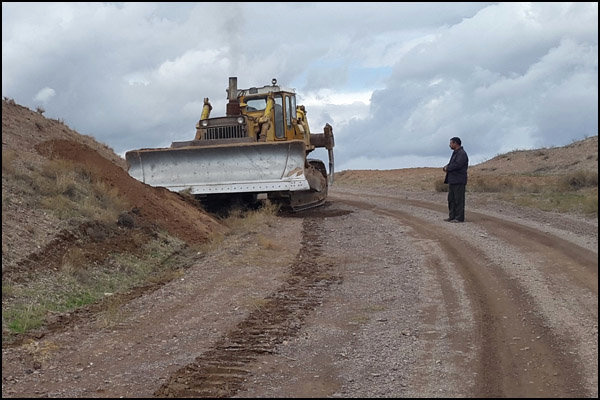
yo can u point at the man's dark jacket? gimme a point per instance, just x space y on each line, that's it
456 170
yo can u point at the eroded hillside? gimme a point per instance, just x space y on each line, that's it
69 208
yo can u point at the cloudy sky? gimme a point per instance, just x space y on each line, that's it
395 80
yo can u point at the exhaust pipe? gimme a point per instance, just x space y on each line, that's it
233 107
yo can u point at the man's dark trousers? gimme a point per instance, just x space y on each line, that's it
456 202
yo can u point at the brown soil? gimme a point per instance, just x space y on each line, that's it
158 205
34 237
370 295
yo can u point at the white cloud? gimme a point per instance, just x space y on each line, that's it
485 91
185 67
332 97
45 95
396 80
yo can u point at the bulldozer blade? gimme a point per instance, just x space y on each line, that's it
239 168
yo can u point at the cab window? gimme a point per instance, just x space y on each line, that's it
256 104
279 128
294 115
288 111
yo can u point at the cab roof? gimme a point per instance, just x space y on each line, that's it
263 90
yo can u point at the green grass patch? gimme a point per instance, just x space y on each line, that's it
23 318
26 304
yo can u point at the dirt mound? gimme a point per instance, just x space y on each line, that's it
28 134
23 129
581 155
167 209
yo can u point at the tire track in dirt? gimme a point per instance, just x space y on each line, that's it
502 311
582 264
221 371
559 254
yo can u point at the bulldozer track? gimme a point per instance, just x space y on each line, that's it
222 371
502 307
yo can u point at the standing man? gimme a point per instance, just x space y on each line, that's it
456 178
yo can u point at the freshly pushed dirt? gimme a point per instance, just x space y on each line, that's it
371 295
158 205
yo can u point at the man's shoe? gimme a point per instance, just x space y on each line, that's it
457 221
448 219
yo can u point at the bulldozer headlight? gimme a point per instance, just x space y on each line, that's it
204 123
240 120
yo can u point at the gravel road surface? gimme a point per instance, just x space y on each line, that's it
371 295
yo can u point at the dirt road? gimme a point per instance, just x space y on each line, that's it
368 296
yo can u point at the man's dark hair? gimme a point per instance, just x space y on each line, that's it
456 140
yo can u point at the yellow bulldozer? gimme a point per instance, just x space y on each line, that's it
258 150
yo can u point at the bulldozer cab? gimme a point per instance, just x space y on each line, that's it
256 106
282 111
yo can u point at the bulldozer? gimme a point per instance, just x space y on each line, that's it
258 150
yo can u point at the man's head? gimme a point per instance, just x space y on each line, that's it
455 143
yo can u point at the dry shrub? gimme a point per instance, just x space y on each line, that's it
213 242
60 206
440 186
186 194
267 243
69 190
489 184
68 184
75 264
73 260
579 180
113 314
257 303
493 184
589 204
40 351
245 220
106 204
61 177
